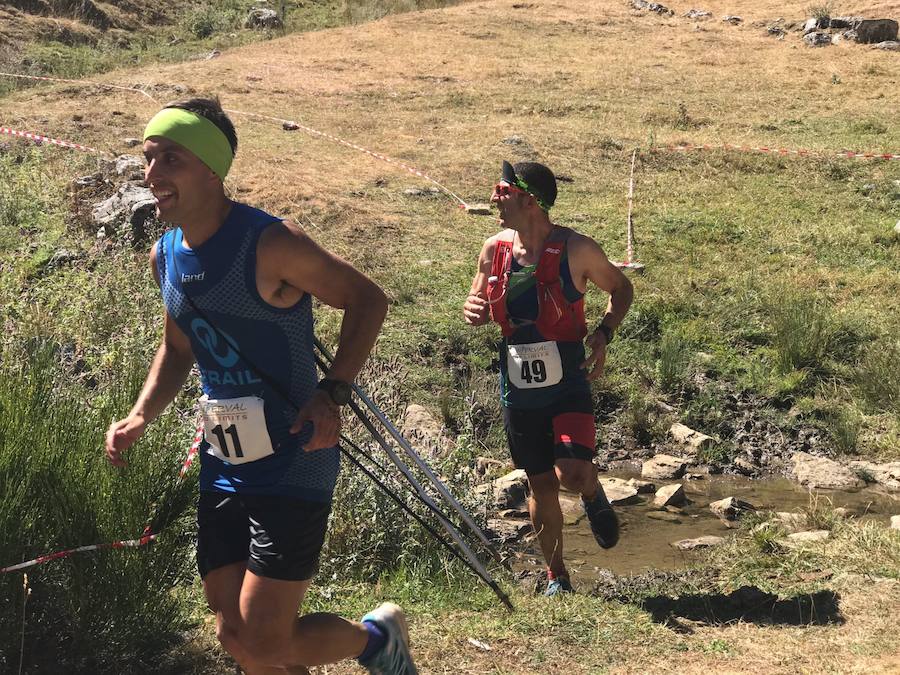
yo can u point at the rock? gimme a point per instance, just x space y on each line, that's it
872 31
133 142
777 31
699 542
888 45
790 521
698 14
507 530
290 126
895 522
642 486
478 209
62 256
663 467
814 23
510 490
800 538
130 167
419 424
842 512
694 476
262 17
619 492
817 39
670 495
693 441
652 7
731 508
514 140
745 466
844 22
819 472
664 516
132 204
886 475
514 514
94 180
897 227
733 20
484 465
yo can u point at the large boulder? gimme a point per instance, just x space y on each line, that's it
132 205
820 472
664 467
262 17
872 31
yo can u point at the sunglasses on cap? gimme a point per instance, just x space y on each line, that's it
509 181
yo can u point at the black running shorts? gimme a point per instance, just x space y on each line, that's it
538 437
278 537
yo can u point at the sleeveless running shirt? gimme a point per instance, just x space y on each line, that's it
220 277
522 307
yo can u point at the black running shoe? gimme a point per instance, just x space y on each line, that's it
604 523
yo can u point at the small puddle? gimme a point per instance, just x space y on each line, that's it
645 543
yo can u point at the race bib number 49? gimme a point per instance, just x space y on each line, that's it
235 428
534 365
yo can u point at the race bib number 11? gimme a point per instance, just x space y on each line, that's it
535 365
235 428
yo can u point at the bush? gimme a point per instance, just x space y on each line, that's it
103 611
878 377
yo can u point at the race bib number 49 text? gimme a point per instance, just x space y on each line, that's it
235 428
534 365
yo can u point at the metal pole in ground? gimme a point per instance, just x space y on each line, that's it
448 498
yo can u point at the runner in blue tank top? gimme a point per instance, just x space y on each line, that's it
237 285
531 280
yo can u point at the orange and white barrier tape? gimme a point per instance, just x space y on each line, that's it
143 540
41 139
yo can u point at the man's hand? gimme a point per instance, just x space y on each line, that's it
475 309
120 436
326 420
596 343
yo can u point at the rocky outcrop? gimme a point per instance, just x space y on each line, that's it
262 17
872 31
132 205
652 7
692 441
820 472
887 475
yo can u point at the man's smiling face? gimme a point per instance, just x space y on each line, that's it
181 184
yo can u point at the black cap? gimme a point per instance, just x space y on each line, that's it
534 178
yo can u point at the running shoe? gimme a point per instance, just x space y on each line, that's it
603 520
394 658
558 586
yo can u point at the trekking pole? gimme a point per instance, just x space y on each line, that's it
448 498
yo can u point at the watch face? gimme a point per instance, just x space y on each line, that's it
340 393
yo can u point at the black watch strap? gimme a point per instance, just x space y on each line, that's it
337 390
607 332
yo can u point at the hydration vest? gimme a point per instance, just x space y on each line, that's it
557 319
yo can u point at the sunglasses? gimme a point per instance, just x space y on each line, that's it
502 189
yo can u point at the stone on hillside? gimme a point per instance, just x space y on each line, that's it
699 542
791 521
817 39
130 167
800 538
132 204
420 425
262 17
132 142
93 180
664 467
814 23
886 475
731 508
618 491
484 465
693 441
895 522
698 14
670 495
652 7
504 531
745 466
733 20
844 22
664 516
510 490
642 486
820 472
872 31
888 45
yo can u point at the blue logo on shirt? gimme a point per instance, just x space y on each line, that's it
209 338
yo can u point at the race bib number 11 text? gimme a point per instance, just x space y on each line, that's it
235 428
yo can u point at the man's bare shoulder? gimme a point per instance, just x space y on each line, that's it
579 242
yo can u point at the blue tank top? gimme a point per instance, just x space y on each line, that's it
522 306
220 276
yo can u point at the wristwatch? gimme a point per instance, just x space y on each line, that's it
607 332
338 391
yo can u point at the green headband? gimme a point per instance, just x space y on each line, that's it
195 133
522 185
